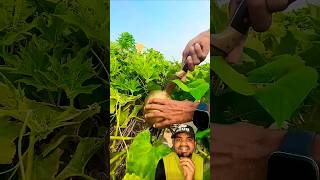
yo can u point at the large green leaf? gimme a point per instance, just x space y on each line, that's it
44 118
199 91
219 18
91 17
288 44
132 176
46 167
143 157
278 67
236 81
196 88
253 43
85 149
9 131
284 96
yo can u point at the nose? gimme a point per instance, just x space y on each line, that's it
183 142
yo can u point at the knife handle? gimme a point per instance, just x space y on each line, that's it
185 67
240 20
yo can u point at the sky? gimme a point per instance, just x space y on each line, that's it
164 25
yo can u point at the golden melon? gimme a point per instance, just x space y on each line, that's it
155 94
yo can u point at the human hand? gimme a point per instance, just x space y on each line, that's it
260 15
171 111
196 50
240 151
260 11
188 168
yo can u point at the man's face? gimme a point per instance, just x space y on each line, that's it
183 144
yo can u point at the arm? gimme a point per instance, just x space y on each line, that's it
171 111
175 112
244 150
196 50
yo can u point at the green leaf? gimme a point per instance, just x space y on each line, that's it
90 17
124 116
254 43
283 97
200 90
85 149
46 167
278 67
287 44
182 86
237 82
9 131
203 134
219 18
55 142
132 176
143 158
112 106
135 111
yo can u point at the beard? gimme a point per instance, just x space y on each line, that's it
184 154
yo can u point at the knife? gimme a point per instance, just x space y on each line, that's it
223 43
178 75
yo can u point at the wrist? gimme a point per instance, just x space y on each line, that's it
316 149
201 116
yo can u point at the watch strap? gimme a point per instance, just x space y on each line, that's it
298 142
201 116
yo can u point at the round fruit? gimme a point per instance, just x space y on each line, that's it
155 94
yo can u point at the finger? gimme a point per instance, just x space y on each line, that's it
158 101
157 114
260 17
185 173
200 53
188 162
188 166
276 5
194 56
154 107
234 56
162 124
186 51
190 63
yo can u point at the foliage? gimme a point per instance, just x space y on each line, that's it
52 86
277 81
133 75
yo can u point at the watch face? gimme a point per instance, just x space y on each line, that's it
290 166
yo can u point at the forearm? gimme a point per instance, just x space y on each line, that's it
316 149
242 149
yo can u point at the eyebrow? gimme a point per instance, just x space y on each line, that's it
177 136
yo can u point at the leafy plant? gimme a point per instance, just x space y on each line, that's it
52 84
277 81
134 73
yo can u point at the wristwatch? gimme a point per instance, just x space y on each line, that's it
201 117
293 160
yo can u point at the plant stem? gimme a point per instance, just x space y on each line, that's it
30 156
104 67
118 113
205 154
59 97
20 146
121 138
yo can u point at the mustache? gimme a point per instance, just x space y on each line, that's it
180 147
